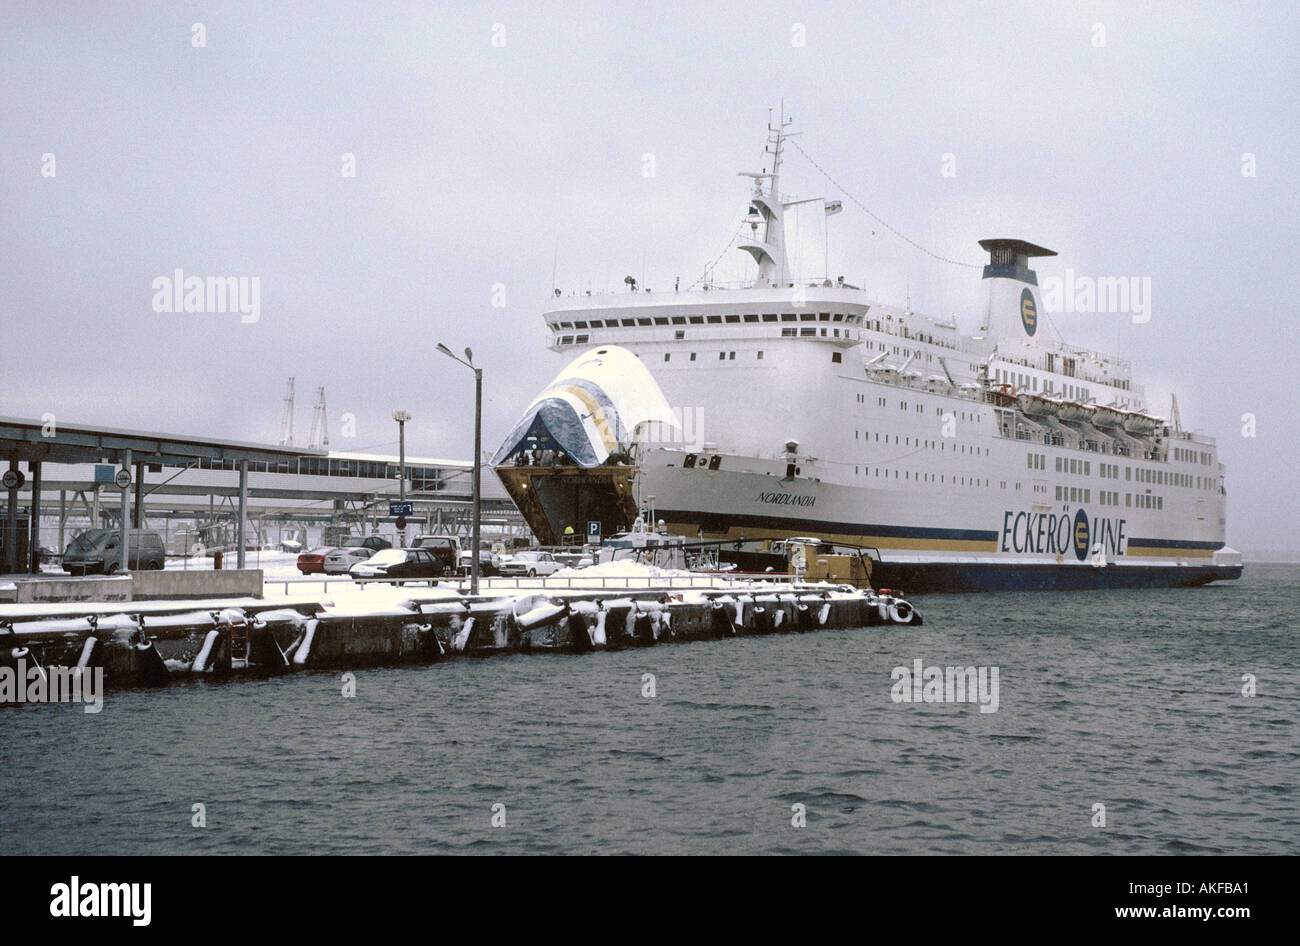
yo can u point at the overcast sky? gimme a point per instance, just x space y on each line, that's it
506 147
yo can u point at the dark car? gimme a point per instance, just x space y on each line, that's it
445 548
489 563
373 542
413 564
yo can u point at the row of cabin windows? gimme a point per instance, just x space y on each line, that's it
1144 475
1183 455
919 443
711 320
910 475
1029 382
1077 494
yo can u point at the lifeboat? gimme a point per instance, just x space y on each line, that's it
1108 417
1035 405
1075 413
1136 423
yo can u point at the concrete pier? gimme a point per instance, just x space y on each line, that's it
152 643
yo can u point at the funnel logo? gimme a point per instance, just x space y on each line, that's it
1082 535
1028 312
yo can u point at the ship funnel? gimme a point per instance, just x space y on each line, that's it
1014 309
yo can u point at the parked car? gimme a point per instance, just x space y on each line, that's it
489 563
376 543
530 564
445 548
96 550
338 561
399 563
313 562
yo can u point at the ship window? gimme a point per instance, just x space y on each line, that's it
810 330
807 316
788 317
697 320
642 321
837 333
823 333
770 317
566 325
567 339
581 339
732 319
579 324
751 317
692 356
836 358
731 356
661 320
628 323
787 331
722 356
679 320
837 317
667 356
679 334
760 356
714 319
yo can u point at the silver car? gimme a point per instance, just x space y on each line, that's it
530 565
339 561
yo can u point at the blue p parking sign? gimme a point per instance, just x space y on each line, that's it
593 529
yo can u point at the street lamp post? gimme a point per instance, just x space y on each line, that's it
468 362
401 417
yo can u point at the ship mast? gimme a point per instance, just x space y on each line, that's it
767 211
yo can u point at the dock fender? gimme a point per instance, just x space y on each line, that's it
538 611
302 651
462 636
598 631
203 661
88 648
882 607
901 612
745 611
823 614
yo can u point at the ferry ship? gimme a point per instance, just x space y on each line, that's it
1005 459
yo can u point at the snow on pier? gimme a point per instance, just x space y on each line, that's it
323 624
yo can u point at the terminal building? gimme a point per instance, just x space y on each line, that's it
193 489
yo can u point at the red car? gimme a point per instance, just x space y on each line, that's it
314 560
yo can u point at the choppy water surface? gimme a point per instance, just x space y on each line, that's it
1128 699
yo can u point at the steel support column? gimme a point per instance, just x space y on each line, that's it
34 525
243 512
124 521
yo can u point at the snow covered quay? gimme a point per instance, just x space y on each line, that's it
156 642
